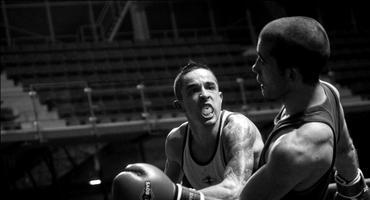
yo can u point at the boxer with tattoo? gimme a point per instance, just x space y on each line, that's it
215 151
210 156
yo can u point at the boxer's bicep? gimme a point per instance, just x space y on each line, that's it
276 178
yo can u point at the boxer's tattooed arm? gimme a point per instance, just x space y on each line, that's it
238 138
239 149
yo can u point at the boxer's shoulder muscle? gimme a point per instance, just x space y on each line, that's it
239 131
303 153
310 141
238 123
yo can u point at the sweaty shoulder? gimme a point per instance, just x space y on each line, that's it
307 143
174 143
241 132
304 154
239 123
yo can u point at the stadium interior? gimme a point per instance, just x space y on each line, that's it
86 86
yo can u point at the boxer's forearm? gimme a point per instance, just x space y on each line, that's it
347 163
229 189
349 179
221 191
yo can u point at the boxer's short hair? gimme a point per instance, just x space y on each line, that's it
190 66
299 42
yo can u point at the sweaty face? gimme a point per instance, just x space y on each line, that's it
272 81
201 98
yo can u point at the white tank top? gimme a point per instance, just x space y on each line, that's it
201 175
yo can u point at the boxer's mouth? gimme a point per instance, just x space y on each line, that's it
207 111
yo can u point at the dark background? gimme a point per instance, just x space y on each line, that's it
60 168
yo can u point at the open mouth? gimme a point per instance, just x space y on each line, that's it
207 111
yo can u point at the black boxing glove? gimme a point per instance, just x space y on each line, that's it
147 182
353 190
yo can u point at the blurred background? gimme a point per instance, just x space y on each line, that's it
86 86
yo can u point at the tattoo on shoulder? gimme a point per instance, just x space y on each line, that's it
238 129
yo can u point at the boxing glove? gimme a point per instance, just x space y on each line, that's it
353 190
143 181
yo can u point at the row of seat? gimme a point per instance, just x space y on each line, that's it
118 44
125 54
110 102
155 71
114 82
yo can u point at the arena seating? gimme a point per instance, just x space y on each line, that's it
114 70
60 73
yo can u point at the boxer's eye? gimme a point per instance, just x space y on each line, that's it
192 89
211 86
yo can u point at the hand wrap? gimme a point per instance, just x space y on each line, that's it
184 193
354 190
